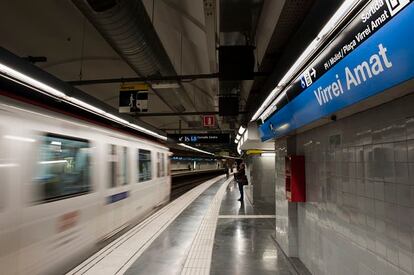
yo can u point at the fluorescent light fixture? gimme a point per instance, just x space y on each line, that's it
230 157
272 107
243 138
238 149
330 26
144 130
21 78
283 126
116 119
84 105
56 143
195 149
268 154
241 130
30 81
238 137
24 139
165 85
53 161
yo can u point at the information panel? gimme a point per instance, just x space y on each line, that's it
373 53
200 138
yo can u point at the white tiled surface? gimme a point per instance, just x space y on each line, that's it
261 175
118 256
199 257
286 212
359 217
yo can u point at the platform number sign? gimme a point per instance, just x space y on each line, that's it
209 121
133 98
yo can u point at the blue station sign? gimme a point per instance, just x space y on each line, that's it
374 53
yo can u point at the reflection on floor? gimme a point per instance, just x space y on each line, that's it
167 254
243 243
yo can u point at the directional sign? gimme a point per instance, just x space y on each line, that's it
133 98
200 138
209 121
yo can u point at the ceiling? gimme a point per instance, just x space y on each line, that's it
189 31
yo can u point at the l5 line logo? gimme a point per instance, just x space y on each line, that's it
307 78
396 5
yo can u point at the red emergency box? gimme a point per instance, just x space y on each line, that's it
295 178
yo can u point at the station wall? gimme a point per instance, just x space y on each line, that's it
261 177
359 214
286 212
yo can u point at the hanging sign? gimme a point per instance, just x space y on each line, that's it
372 53
133 98
200 138
209 121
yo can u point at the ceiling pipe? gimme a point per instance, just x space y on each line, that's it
126 26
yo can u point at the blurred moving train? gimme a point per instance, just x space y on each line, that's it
67 184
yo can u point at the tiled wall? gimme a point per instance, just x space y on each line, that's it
359 217
286 213
262 175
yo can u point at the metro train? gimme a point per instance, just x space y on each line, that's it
67 185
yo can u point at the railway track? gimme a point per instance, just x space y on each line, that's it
185 181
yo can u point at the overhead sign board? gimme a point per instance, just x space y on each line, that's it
133 98
200 138
373 53
209 121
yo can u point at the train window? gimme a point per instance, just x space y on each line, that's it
162 165
144 165
169 167
124 166
159 165
113 161
64 167
118 159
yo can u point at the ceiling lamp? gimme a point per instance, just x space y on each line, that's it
41 87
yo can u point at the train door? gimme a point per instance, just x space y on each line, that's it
117 187
59 205
9 201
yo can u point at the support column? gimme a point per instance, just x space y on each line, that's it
286 212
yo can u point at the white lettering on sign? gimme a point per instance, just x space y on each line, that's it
375 65
324 95
381 19
362 35
375 6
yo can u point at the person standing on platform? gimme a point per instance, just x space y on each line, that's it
241 180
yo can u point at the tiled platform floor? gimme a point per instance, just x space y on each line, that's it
212 233
243 243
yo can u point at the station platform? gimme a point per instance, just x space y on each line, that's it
205 231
